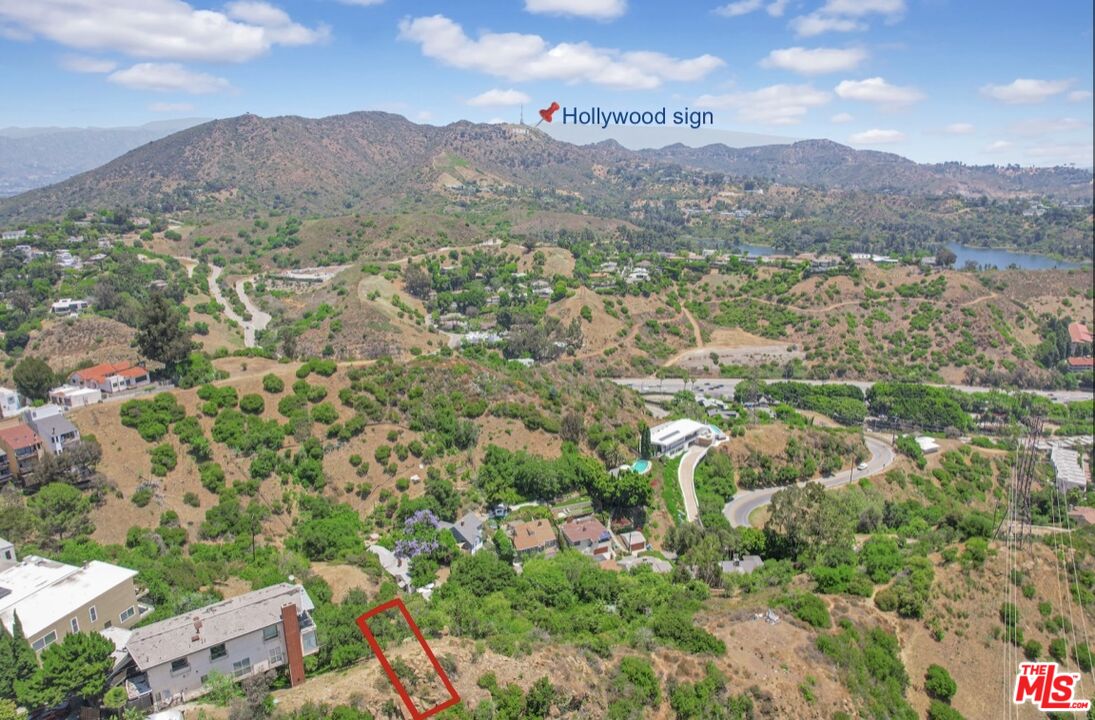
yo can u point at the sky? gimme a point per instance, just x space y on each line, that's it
1007 81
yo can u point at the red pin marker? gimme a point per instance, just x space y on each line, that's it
547 112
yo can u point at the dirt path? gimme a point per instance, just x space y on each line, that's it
259 319
697 340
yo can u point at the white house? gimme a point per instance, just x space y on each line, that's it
928 445
675 436
468 532
67 306
398 568
171 660
57 431
70 396
53 599
13 235
7 554
11 402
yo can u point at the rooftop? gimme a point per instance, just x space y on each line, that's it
531 535
20 436
587 529
670 432
43 591
469 527
1079 333
54 426
191 632
99 373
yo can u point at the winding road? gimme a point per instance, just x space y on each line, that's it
259 319
737 511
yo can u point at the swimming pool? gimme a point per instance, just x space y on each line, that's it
641 466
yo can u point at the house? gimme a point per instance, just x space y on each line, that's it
927 445
675 436
1066 463
468 532
823 264
634 541
398 568
1079 340
170 661
70 396
533 537
656 564
53 599
56 430
13 235
741 565
110 377
589 536
20 446
68 306
7 554
11 402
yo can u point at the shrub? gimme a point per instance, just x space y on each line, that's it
212 477
272 383
942 711
1032 650
1058 650
1084 657
402 484
808 608
191 499
939 684
324 413
164 459
252 404
142 496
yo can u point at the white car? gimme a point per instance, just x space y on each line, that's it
861 466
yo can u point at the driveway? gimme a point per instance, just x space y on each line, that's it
737 510
685 476
259 320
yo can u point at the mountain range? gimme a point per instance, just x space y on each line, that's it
332 165
39 156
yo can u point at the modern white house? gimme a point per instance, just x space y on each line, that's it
675 436
53 599
170 661
70 396
11 402
67 306
928 445
7 554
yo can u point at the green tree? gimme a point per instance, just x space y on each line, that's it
78 665
644 443
162 332
115 698
939 684
540 698
503 546
17 659
62 511
33 378
8 710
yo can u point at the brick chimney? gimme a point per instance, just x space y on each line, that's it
293 650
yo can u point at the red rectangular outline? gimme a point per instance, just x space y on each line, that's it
363 625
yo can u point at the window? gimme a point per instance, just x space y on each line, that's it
241 667
74 624
108 624
269 633
180 665
45 641
217 652
93 613
277 657
127 613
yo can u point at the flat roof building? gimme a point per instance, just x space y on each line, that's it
675 436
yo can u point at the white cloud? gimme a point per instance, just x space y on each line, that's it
817 61
846 16
1048 126
815 24
859 8
1024 91
841 118
170 107
168 77
959 128
744 7
161 29
773 105
596 9
84 64
1079 96
497 98
1065 153
877 90
361 3
520 57
998 146
874 136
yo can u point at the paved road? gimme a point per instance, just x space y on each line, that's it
686 477
737 510
725 387
259 320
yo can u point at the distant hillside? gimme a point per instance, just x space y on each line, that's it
35 157
828 164
331 165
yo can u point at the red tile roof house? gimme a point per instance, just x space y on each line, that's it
111 377
20 446
589 536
